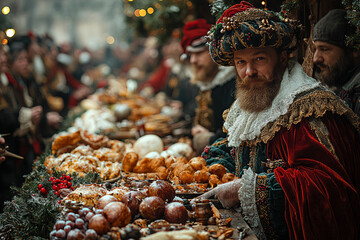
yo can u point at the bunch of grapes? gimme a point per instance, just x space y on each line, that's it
74 226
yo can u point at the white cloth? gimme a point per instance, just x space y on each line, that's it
247 200
224 75
243 125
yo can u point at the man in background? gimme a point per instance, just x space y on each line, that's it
336 63
216 85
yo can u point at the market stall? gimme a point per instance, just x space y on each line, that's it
118 171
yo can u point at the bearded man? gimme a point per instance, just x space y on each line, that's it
294 144
337 63
216 85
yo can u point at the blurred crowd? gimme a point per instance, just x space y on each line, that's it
41 81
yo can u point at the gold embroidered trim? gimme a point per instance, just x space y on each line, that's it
252 162
224 116
272 164
238 164
261 200
204 115
322 134
314 104
222 142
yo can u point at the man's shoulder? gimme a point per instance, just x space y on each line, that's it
314 103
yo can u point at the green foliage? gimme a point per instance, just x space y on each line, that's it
219 6
30 215
353 15
168 15
290 5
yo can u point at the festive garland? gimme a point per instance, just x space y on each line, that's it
32 213
353 15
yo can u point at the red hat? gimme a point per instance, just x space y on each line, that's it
194 31
242 6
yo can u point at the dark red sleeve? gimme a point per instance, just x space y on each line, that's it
73 82
159 78
320 199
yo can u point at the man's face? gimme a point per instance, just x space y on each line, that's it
331 63
259 73
203 67
21 65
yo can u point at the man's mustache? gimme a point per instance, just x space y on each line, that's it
320 65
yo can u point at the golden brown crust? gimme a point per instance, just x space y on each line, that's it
218 170
88 195
129 161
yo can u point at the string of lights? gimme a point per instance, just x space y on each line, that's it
9 32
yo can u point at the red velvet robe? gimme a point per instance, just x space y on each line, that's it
321 191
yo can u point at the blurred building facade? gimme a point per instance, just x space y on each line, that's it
82 23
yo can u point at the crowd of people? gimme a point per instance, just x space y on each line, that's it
292 139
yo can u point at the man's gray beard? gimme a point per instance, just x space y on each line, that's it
257 99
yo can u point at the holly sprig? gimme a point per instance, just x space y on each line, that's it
31 214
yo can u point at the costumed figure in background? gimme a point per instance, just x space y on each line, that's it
23 109
294 144
216 85
61 83
337 64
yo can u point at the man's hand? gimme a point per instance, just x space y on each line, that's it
53 119
198 129
81 92
36 113
2 141
227 193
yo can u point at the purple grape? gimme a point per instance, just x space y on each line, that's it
75 234
84 211
70 216
61 233
60 224
89 215
67 228
53 233
70 223
79 223
90 234
99 211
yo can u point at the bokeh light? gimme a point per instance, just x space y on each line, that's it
5 10
110 40
10 32
136 13
142 12
150 10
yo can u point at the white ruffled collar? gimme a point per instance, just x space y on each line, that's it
224 75
243 125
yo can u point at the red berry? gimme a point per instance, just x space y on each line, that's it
68 178
43 192
53 182
57 193
40 186
69 184
55 188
